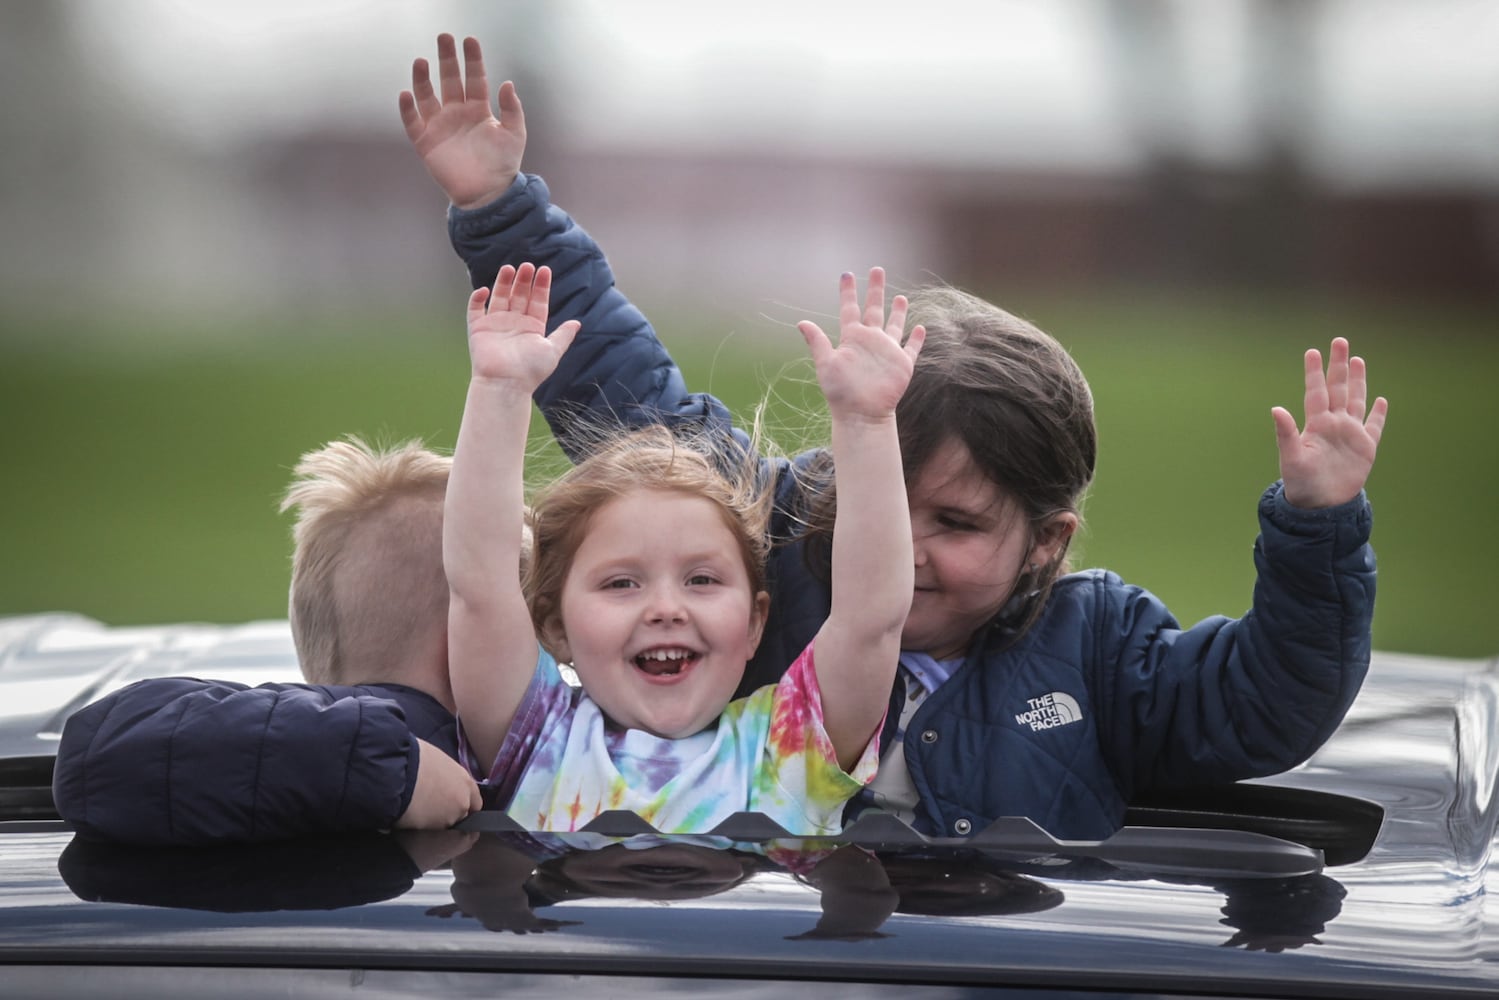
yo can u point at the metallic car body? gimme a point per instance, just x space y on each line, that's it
1157 911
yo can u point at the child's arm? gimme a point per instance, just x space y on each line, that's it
1328 462
1263 691
500 217
175 760
491 642
857 648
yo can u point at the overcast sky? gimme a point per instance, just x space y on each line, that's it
1396 87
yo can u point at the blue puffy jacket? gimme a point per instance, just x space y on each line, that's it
177 760
1104 698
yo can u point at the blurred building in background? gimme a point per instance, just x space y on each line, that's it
109 186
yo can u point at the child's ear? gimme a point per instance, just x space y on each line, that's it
1052 538
759 610
554 638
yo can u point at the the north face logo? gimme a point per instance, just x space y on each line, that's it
1049 711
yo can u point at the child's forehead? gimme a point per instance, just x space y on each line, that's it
951 478
657 522
646 504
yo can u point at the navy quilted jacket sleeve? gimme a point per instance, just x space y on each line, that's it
1235 698
185 761
617 370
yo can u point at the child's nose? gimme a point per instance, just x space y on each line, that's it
666 607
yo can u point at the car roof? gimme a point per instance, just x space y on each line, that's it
1361 873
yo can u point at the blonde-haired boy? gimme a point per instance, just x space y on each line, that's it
369 742
369 601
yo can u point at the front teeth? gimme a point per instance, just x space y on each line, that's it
664 662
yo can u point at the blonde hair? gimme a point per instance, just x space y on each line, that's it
367 583
620 462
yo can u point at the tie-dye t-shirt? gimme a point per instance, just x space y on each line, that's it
768 753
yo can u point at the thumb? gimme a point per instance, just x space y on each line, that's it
817 341
1286 434
914 341
411 119
476 304
564 335
512 115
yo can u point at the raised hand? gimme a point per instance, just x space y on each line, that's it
507 339
1328 461
863 378
866 373
472 155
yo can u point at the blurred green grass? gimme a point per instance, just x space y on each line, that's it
144 468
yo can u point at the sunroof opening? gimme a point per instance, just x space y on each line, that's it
1341 827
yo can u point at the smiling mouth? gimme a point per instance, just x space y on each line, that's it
666 661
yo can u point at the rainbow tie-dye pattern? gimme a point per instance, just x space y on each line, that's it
768 753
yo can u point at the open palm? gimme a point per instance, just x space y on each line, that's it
507 338
867 372
1327 462
472 155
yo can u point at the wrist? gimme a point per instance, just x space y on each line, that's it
1282 504
858 419
503 388
1301 498
487 197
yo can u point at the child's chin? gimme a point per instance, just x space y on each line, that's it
672 732
675 729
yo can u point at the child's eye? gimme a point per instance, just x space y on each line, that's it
619 583
701 580
954 523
